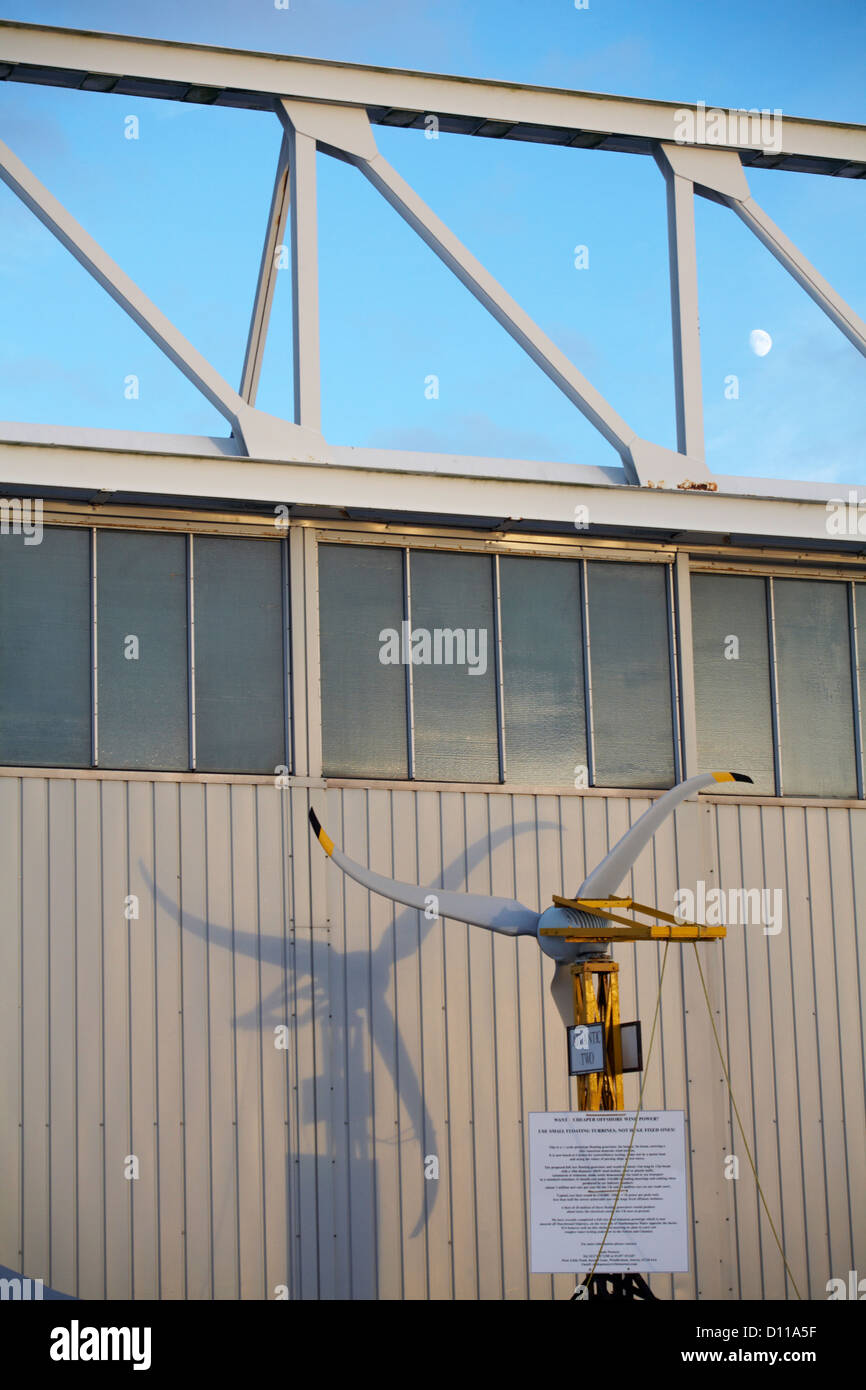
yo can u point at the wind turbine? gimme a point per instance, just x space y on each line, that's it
557 929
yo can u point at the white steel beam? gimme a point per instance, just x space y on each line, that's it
796 264
499 303
260 318
264 435
504 496
345 133
117 283
199 72
719 175
305 276
682 250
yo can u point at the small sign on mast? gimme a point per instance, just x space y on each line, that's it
585 1048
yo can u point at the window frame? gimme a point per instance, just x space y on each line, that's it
617 552
139 526
300 537
826 574
683 560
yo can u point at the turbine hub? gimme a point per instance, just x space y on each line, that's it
568 951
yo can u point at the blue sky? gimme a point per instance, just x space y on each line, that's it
183 207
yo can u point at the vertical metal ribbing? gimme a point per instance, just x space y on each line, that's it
673 662
410 689
94 654
855 675
288 710
190 609
587 675
774 685
497 651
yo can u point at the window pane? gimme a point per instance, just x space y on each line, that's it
45 660
542 670
456 722
860 612
816 710
732 677
363 699
239 687
142 651
630 673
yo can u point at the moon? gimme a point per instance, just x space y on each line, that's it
760 342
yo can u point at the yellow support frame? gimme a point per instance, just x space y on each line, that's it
596 986
596 1000
627 930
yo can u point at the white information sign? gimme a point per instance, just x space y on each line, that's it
576 1158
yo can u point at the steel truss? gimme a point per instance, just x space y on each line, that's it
331 110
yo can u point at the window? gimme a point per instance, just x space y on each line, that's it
458 667
630 675
816 703
45 653
732 676
456 724
543 672
363 698
140 650
775 681
859 654
241 692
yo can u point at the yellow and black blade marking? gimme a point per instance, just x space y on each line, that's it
323 838
731 777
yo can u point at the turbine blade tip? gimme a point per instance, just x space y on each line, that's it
323 838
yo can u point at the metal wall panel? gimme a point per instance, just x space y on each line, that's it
283 1054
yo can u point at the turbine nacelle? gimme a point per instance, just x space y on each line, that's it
567 952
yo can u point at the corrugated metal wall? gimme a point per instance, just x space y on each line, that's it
303 1165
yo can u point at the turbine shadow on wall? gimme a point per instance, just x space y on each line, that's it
367 977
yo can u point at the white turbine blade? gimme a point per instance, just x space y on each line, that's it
496 914
562 992
606 878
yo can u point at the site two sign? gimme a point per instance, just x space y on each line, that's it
576 1160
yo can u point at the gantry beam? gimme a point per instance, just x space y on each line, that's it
685 325
392 96
260 317
719 176
329 107
500 495
802 270
305 272
261 435
107 273
345 133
